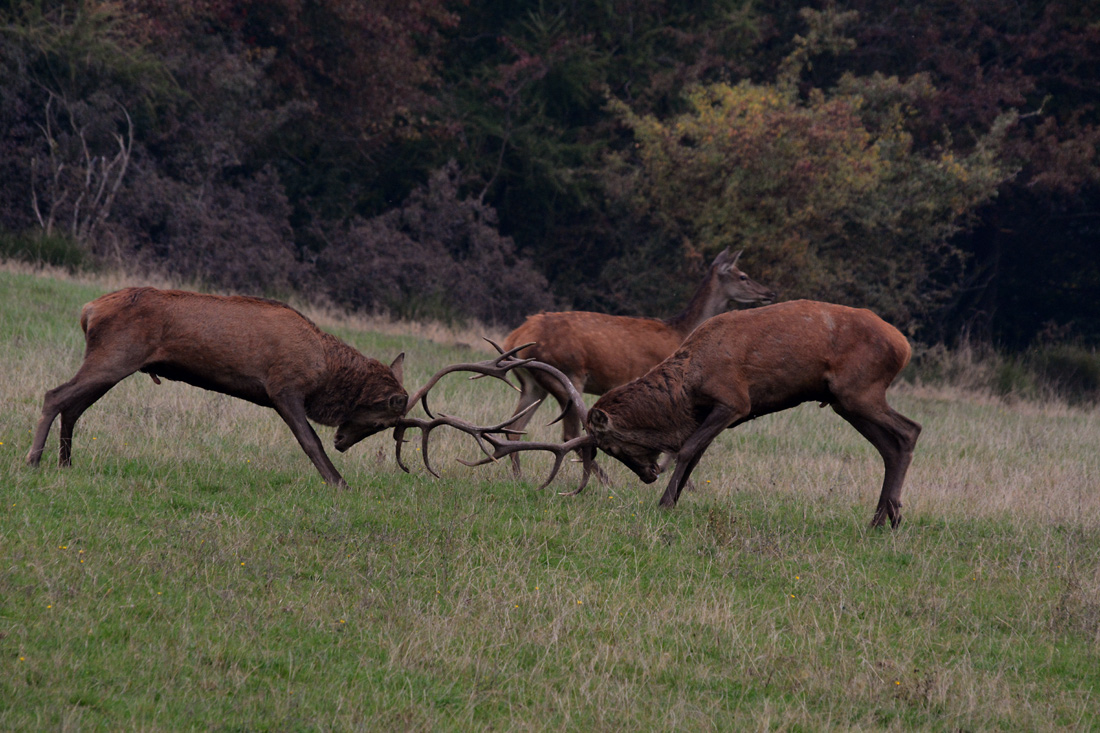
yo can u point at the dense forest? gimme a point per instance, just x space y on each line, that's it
485 159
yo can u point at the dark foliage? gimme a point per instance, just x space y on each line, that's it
37 248
289 144
437 256
232 231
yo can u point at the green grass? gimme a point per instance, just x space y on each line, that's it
191 571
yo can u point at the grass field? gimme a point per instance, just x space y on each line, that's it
191 571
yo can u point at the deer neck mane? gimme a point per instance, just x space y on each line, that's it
351 379
707 301
658 404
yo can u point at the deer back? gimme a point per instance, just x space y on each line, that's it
597 351
781 355
251 348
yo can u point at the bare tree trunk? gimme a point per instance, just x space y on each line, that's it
78 184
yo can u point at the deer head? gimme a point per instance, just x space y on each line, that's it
375 413
635 452
735 285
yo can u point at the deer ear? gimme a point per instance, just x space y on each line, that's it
729 262
599 420
398 368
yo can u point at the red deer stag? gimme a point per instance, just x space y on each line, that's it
739 366
736 367
257 350
598 352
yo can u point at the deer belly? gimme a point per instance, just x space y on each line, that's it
245 388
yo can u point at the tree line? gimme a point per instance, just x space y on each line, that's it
487 159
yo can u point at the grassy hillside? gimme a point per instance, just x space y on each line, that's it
191 570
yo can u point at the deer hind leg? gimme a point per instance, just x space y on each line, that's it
70 400
51 406
571 421
895 437
530 393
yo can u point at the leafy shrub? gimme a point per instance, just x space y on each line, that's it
229 231
969 366
437 256
832 204
42 249
1011 379
1059 371
1068 371
826 187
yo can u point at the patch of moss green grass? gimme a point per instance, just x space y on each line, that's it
191 570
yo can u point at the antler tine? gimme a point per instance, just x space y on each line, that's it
498 367
492 435
560 451
478 432
500 349
399 439
510 352
575 399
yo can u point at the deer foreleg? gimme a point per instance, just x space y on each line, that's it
663 465
293 413
720 418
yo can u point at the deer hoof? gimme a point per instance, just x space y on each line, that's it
891 511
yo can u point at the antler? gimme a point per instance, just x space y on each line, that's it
427 426
497 367
486 436
586 444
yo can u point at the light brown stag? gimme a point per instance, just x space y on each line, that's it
739 366
598 352
257 350
736 367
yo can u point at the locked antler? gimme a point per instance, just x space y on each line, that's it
498 367
585 444
427 426
492 435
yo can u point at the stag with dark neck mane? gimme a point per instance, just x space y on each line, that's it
598 352
254 349
739 366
